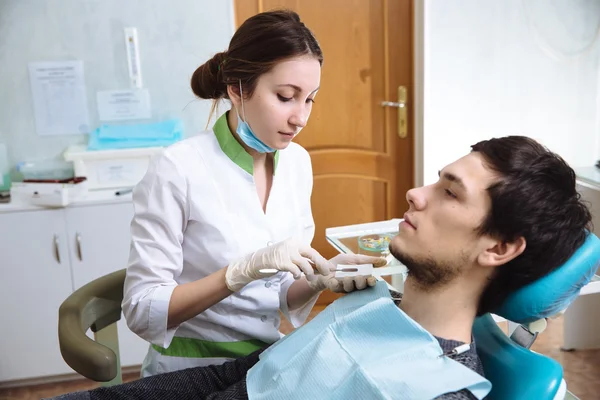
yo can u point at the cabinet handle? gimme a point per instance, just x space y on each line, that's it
78 242
56 251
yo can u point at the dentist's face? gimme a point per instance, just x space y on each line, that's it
282 101
439 237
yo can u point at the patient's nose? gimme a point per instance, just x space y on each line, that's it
416 198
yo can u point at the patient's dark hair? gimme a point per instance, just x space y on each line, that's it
536 198
261 42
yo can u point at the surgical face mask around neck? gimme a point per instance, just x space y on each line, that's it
245 132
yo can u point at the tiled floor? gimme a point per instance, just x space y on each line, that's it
581 369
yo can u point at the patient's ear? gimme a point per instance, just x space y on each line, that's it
500 252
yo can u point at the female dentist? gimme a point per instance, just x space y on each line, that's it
216 209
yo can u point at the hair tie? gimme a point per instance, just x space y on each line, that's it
221 63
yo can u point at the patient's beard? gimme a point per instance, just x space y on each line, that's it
428 274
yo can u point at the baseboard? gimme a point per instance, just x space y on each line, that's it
134 369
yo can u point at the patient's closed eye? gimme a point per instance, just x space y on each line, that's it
449 193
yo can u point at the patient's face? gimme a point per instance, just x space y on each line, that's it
438 239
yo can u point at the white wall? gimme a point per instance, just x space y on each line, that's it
504 67
175 36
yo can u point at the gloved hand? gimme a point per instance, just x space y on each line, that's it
289 255
348 283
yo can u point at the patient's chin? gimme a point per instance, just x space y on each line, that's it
427 273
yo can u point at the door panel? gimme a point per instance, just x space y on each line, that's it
362 168
347 110
358 196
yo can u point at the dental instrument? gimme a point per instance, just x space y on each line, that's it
274 271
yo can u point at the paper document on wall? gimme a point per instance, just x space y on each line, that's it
117 105
59 98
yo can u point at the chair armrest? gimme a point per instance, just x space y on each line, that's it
93 306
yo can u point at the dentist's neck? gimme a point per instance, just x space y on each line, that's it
233 123
446 312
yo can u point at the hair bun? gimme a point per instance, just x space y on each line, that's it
207 81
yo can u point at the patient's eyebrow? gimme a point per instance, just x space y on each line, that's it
452 178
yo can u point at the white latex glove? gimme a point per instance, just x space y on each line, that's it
348 283
289 255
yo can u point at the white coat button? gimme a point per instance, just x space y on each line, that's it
269 243
268 284
263 318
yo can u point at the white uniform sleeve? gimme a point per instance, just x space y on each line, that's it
156 256
298 316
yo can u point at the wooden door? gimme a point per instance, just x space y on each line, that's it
362 168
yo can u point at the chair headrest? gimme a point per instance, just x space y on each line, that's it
554 292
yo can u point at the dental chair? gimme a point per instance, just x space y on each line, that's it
515 371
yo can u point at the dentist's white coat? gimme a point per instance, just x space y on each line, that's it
196 210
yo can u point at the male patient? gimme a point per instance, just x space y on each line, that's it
497 219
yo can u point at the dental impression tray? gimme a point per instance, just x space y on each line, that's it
364 269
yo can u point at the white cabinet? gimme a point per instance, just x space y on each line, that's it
36 278
99 240
581 322
46 255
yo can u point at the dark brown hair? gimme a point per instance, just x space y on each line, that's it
535 198
256 47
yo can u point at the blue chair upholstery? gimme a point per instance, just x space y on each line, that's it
516 372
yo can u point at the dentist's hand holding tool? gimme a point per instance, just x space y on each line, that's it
348 283
289 255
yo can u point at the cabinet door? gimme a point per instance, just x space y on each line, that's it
36 279
99 240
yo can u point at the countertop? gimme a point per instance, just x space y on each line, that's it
92 197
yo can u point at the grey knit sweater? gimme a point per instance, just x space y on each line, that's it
469 358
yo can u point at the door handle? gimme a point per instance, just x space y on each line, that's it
78 243
56 250
402 113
